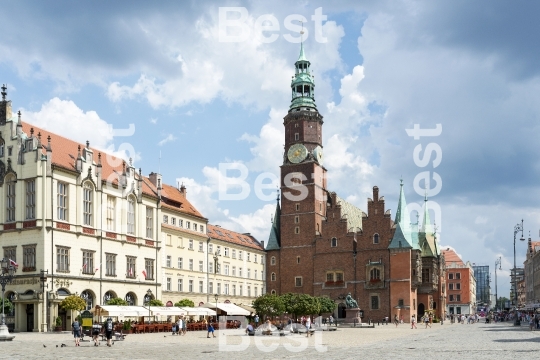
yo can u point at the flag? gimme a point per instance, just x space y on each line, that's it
13 263
130 271
84 266
96 270
144 273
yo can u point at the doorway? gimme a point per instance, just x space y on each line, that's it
421 310
62 314
341 311
29 317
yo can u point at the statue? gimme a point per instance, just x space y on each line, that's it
350 302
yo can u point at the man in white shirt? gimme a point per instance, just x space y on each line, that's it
308 325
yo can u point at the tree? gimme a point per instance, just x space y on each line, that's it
185 302
73 302
117 301
300 304
155 302
269 305
8 306
327 305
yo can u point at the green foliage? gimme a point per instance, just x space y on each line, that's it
58 321
155 302
327 305
269 305
127 325
117 301
73 302
185 302
8 306
288 301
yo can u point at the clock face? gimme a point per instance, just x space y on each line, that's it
318 155
297 153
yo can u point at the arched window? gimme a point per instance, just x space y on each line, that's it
88 195
131 299
131 215
376 238
375 274
273 276
273 260
108 296
334 242
10 199
147 298
273 292
88 298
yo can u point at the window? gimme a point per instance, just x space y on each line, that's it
10 253
173 221
376 238
297 230
149 267
210 287
458 297
218 250
191 264
296 219
168 284
190 289
131 216
425 275
255 289
226 251
110 266
240 272
234 253
248 273
201 286
180 223
169 261
234 290
249 290
374 274
339 276
201 228
262 259
10 201
88 262
201 266
298 281
400 302
87 204
130 266
169 240
248 255
180 285
194 227
234 271
296 136
239 254
165 219
255 274
451 297
190 244
62 259
210 248
30 199
458 276
298 259
111 207
218 291
201 246
273 260
29 256
450 286
334 242
241 290
226 289
226 269
211 267
374 302
218 268
329 276
149 222
458 286
179 262
188 225
61 199
451 276
297 207
255 258
273 277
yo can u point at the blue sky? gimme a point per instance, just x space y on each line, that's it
80 68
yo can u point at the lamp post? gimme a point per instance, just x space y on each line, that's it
7 275
517 229
216 266
497 262
216 297
43 283
148 297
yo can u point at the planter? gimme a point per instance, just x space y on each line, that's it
58 328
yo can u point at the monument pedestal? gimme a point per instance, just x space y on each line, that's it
4 334
352 316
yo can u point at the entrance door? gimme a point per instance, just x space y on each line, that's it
29 317
341 310
421 310
63 315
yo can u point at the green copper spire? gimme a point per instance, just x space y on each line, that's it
426 223
274 240
302 84
426 236
402 236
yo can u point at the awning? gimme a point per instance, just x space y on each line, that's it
198 311
247 307
117 310
165 310
229 309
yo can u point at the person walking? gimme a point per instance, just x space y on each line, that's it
96 329
76 330
396 321
210 330
256 321
426 321
308 326
108 326
413 322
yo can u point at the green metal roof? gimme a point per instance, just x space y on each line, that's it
274 239
354 214
402 235
302 56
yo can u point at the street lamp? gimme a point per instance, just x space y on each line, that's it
497 262
216 297
148 298
7 275
517 229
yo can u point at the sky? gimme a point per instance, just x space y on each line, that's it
182 87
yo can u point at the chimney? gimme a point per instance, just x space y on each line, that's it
183 191
78 165
375 194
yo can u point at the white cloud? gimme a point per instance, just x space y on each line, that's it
168 138
153 120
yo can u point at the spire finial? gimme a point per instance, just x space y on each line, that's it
87 144
401 180
4 92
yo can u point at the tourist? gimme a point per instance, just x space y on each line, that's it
249 330
396 321
426 321
76 330
210 330
256 321
401 319
331 319
184 325
108 331
96 329
413 322
308 326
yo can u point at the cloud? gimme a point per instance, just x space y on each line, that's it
168 138
153 120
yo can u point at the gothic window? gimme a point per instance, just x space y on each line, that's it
273 278
30 199
10 199
111 208
131 216
374 302
149 222
87 204
334 242
376 238
273 260
375 274
425 275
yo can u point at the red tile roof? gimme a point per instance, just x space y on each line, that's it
64 155
450 256
219 233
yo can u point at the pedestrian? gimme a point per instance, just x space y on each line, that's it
256 321
308 326
426 321
108 331
413 322
401 319
76 330
96 329
396 321
210 330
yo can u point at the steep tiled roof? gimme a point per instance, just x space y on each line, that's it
274 240
354 214
450 256
64 155
219 233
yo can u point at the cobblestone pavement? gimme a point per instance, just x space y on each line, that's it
448 341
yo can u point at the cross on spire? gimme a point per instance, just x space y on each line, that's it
4 92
